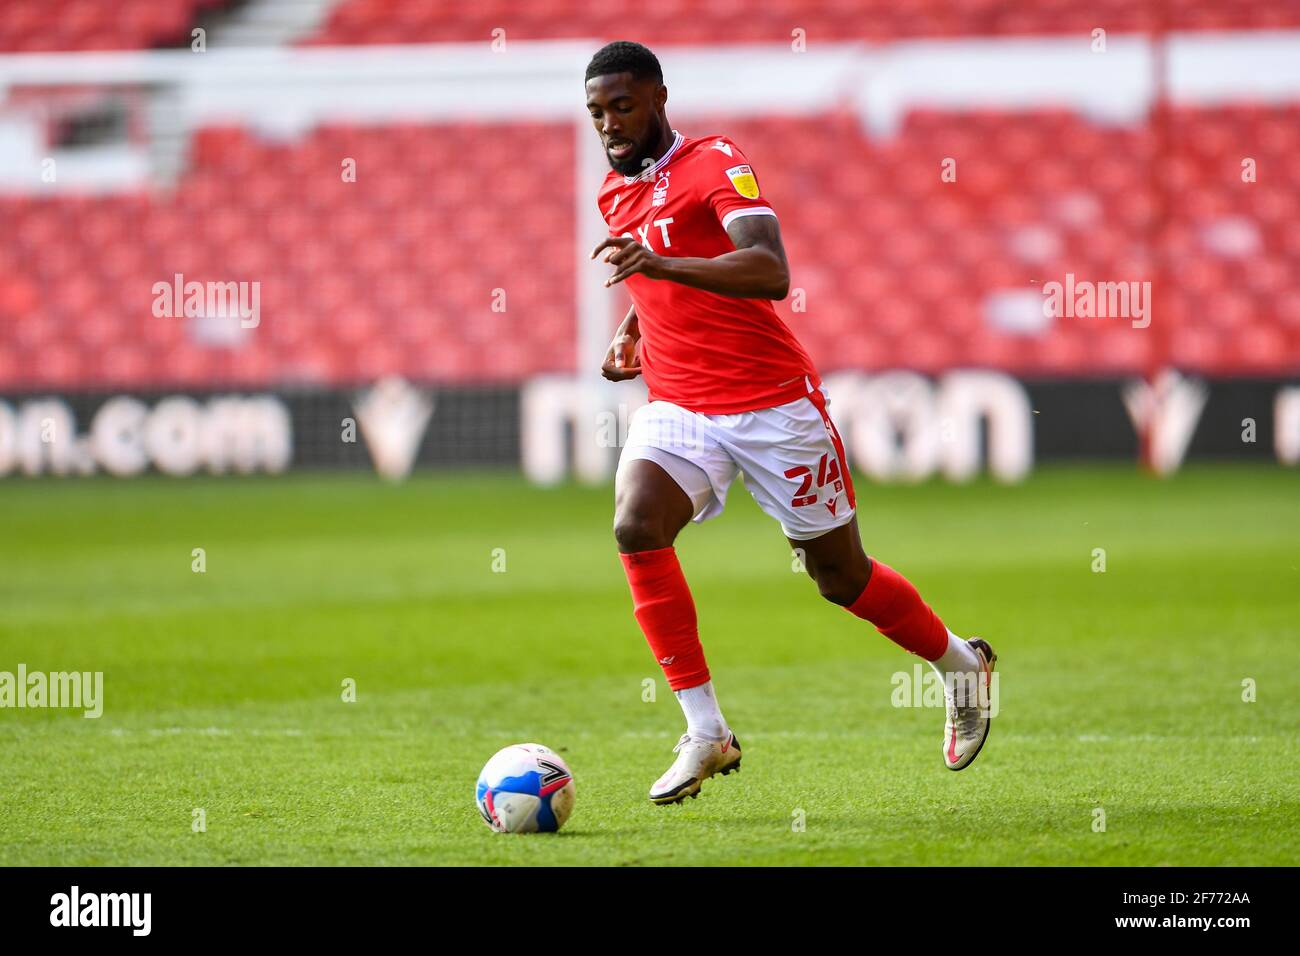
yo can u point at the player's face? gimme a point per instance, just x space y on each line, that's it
627 114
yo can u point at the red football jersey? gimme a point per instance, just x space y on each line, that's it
709 353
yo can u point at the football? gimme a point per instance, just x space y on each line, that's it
525 788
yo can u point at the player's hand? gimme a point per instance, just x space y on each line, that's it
621 361
628 257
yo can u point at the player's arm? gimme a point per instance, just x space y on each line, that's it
757 269
621 360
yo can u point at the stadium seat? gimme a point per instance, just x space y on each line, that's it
676 22
891 265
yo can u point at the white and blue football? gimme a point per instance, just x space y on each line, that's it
525 788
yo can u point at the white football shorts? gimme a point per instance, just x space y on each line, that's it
791 456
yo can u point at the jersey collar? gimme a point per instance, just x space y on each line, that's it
650 173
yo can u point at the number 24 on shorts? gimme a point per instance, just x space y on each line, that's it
828 470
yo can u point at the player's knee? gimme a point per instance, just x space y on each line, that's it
637 529
839 584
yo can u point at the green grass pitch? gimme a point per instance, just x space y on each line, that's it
1120 691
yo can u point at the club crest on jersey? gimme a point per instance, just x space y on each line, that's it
742 178
661 190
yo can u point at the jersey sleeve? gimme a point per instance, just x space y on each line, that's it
730 185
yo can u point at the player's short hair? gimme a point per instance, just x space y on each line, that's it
624 56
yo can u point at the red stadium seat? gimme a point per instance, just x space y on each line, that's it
674 21
30 26
892 266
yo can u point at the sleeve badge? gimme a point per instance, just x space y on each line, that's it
742 179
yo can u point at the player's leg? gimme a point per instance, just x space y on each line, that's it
795 467
875 592
651 507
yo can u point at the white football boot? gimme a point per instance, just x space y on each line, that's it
968 706
697 760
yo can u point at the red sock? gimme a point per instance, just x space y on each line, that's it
891 603
666 612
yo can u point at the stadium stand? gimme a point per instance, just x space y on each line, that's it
359 282
896 267
678 21
35 26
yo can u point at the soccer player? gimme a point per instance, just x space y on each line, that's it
731 390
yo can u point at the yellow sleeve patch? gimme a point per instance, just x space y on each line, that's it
742 178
